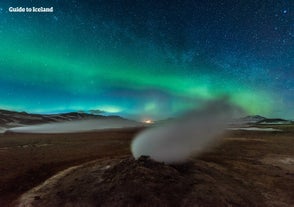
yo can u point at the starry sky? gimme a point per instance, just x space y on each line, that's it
147 58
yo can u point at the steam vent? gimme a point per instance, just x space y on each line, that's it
142 182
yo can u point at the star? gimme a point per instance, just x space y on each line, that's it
173 54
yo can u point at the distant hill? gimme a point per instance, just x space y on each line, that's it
251 119
22 122
274 121
257 119
13 118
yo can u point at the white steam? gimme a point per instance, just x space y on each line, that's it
178 140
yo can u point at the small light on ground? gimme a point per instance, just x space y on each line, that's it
148 121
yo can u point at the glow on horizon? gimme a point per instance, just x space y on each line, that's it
148 121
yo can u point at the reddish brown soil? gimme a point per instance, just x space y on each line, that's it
247 168
28 159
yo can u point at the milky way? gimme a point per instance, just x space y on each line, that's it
147 59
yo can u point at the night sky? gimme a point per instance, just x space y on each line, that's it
147 58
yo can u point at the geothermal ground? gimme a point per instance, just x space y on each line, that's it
247 168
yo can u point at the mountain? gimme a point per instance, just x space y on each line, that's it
252 119
275 121
257 119
13 118
248 120
22 122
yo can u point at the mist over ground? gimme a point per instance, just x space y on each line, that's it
77 126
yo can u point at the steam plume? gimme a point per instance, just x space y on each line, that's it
177 140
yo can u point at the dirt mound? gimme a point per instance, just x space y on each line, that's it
143 182
124 182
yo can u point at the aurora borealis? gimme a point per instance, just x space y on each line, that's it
147 59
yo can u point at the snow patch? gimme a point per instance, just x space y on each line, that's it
277 123
255 129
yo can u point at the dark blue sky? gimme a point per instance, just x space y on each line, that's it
148 59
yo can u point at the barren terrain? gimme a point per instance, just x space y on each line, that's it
247 168
28 159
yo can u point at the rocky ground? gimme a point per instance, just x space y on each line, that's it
26 160
246 169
